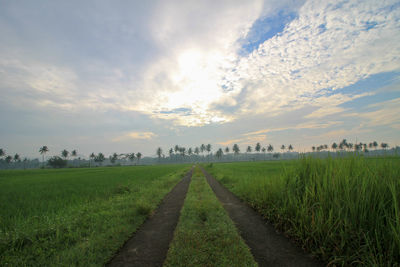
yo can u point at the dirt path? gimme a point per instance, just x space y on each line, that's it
267 246
149 245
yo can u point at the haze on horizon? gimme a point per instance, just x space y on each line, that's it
130 76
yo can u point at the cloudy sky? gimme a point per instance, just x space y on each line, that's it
128 76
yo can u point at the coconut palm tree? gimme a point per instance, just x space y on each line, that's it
17 158
258 147
219 153
202 148
43 150
270 148
159 153
290 148
64 154
138 156
313 148
92 156
375 144
334 146
236 149
226 149
283 147
384 146
197 151
131 157
248 150
171 152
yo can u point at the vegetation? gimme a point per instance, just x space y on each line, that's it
205 235
57 162
345 210
73 217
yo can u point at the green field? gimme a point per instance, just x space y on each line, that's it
346 210
205 235
76 216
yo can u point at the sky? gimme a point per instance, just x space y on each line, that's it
130 76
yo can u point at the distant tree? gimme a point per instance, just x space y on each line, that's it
57 162
8 159
92 156
325 146
64 154
182 150
171 152
2 152
176 148
43 150
350 146
313 148
159 153
248 150
219 153
197 151
235 149
138 156
290 148
208 148
263 150
17 158
283 147
202 148
100 158
258 147
74 153
113 158
226 149
384 145
270 148
334 146
275 155
190 151
375 144
131 157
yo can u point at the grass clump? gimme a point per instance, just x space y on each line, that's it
205 235
345 210
76 217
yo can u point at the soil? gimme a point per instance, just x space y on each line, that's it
149 245
268 247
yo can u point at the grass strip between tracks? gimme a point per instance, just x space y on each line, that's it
205 235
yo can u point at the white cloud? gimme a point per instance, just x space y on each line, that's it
135 135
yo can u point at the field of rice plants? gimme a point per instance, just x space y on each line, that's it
345 210
76 217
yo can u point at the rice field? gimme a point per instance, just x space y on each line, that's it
344 210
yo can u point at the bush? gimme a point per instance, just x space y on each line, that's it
57 162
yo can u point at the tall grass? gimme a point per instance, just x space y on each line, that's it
346 210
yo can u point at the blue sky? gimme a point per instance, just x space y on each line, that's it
129 76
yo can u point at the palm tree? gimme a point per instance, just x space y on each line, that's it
197 151
2 152
375 144
92 156
263 151
290 148
334 146
43 150
114 158
159 153
313 148
248 150
171 152
99 158
270 148
138 156
202 148
236 149
283 147
219 153
131 157
190 151
64 154
182 150
17 158
8 159
74 153
208 148
384 146
226 149
258 147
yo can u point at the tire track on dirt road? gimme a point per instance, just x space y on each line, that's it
149 245
268 247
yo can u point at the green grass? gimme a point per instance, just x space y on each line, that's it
345 210
76 216
205 235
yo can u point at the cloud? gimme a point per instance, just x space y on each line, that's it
135 135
